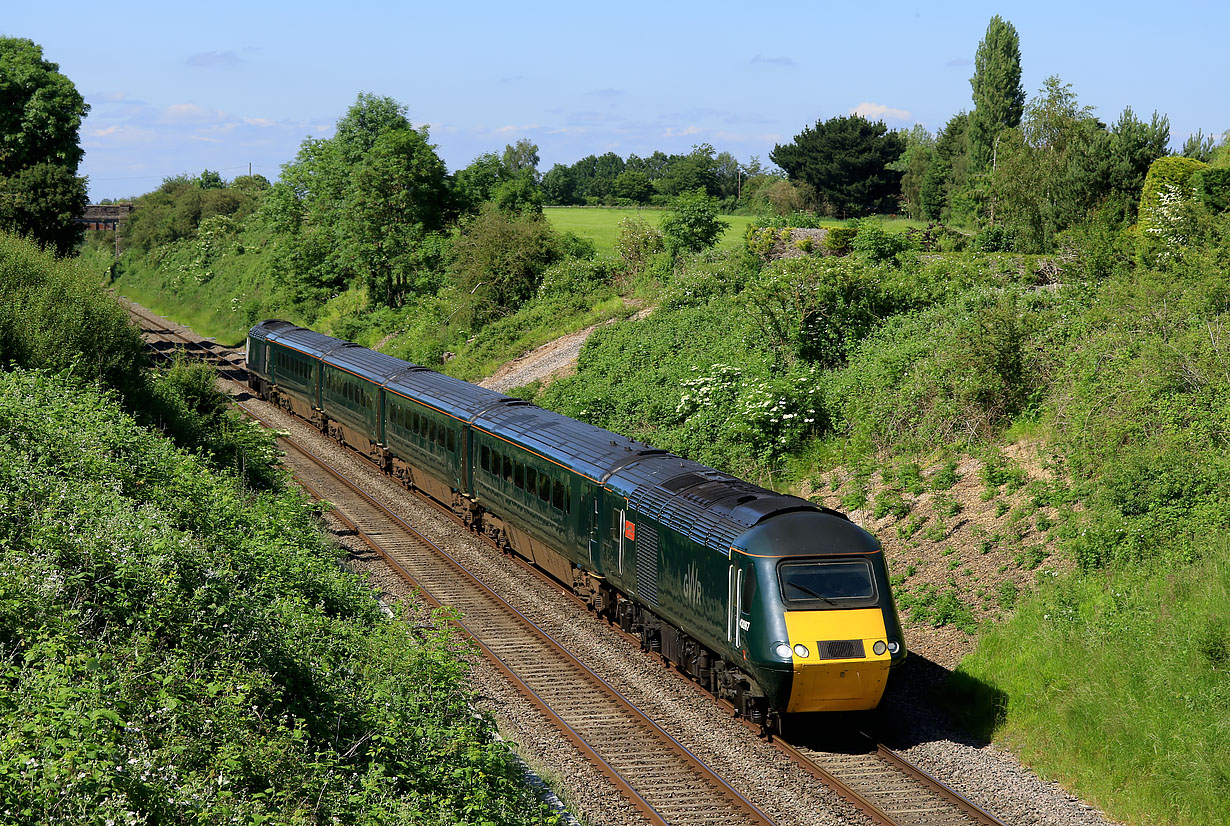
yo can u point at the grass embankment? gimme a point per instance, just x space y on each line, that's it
1116 684
179 647
218 286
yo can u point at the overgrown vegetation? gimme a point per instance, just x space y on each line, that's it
178 642
176 649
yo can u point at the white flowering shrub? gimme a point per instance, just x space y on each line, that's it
769 414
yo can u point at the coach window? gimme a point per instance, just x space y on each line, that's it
507 469
452 441
519 475
557 498
544 488
484 458
531 481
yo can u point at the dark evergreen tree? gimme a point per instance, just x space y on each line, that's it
846 161
947 172
999 96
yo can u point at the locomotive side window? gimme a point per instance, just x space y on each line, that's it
818 583
749 589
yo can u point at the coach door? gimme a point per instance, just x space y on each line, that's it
590 502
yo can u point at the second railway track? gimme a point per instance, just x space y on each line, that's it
661 779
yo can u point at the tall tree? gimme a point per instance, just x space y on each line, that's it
342 200
846 160
40 125
559 185
1048 176
396 197
913 166
522 157
999 96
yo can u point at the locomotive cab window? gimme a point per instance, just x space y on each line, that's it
821 583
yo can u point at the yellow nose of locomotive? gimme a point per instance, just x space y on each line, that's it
836 667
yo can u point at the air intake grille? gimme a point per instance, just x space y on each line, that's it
647 563
840 649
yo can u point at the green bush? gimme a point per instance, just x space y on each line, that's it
575 276
998 238
1171 174
874 243
1213 187
692 224
697 279
955 373
837 240
686 380
56 315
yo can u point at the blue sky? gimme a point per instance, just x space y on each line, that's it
177 87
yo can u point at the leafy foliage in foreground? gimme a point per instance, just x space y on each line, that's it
176 650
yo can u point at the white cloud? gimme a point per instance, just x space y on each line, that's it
190 113
672 132
119 135
876 111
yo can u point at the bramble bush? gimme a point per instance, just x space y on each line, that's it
175 649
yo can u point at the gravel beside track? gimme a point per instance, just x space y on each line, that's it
908 719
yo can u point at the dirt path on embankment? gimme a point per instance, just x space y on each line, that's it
551 361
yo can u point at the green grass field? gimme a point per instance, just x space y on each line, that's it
601 224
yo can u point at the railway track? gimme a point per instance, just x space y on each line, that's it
660 778
888 788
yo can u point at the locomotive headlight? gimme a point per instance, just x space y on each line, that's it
879 648
801 651
893 647
783 650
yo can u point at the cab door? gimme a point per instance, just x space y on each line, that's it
740 592
591 520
